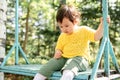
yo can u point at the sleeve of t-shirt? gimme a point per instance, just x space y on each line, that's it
90 34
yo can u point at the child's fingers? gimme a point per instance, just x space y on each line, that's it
108 19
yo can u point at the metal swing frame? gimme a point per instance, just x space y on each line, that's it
105 47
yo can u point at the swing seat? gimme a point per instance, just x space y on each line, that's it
32 69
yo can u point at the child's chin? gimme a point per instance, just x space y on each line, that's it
68 33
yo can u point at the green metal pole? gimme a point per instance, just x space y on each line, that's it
16 31
105 15
106 35
18 47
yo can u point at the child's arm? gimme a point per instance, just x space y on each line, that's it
58 54
99 31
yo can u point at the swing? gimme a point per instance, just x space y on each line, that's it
92 74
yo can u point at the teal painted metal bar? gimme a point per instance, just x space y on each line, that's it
107 47
96 65
114 60
16 32
9 53
106 60
105 15
16 45
106 34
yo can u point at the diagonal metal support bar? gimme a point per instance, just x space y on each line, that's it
96 65
9 53
114 60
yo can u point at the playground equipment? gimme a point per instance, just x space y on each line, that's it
92 74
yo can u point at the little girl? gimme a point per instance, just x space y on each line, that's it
72 49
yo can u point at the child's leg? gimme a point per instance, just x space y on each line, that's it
39 77
73 66
67 75
52 65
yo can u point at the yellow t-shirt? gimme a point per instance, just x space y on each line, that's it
76 44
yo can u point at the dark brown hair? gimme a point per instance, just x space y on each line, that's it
67 11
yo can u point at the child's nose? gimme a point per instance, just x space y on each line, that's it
65 29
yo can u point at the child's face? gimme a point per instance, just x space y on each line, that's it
66 26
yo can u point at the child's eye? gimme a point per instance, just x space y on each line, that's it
66 26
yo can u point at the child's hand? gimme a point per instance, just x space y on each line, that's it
58 54
108 19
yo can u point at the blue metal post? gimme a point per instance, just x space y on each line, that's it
106 35
16 31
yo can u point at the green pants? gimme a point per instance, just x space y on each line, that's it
75 64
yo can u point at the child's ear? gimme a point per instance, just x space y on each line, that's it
75 21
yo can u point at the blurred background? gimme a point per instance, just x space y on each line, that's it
38 30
